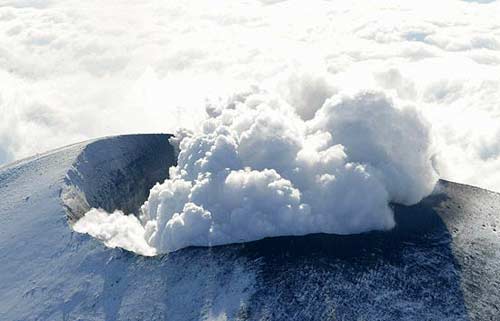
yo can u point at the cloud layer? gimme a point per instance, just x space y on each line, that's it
257 169
71 71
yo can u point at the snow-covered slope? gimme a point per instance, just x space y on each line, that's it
441 262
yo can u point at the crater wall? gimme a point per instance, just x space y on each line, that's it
116 173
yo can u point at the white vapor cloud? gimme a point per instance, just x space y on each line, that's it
115 230
257 169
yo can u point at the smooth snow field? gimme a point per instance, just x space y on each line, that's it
441 261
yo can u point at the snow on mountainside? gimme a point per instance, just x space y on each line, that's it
441 262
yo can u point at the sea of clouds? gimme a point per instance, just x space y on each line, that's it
72 70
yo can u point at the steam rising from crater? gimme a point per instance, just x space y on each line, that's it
256 169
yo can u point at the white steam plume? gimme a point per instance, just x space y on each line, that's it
257 169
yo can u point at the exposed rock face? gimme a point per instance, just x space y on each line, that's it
441 262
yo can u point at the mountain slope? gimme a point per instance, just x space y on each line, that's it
441 262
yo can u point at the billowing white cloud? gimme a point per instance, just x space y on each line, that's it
256 169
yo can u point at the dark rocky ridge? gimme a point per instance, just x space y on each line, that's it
441 262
